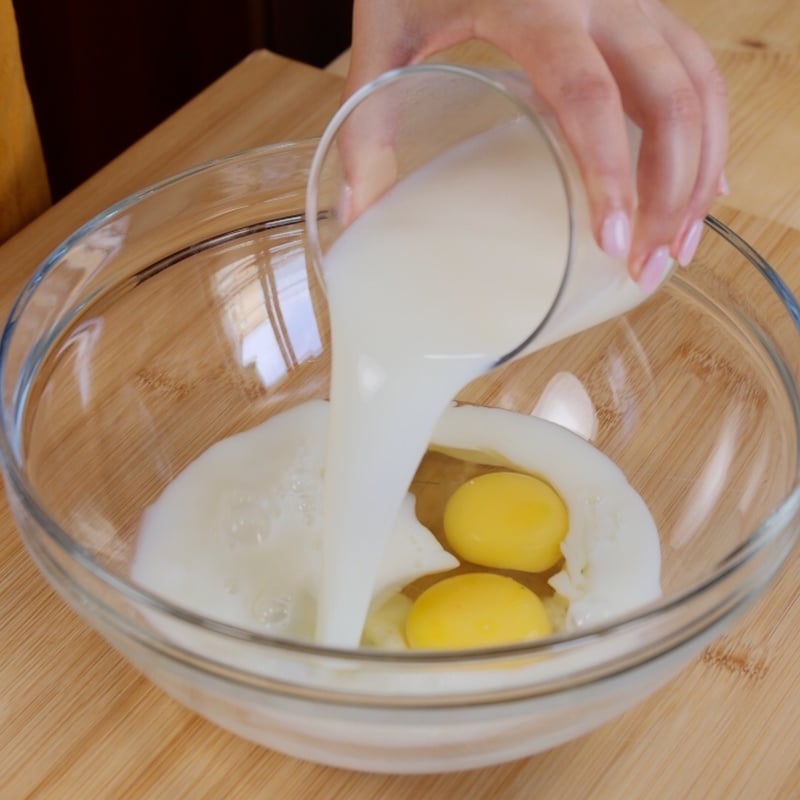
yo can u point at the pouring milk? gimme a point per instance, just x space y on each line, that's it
451 270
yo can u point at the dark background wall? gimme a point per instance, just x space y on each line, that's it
103 72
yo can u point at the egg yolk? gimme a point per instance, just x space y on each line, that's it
507 520
475 610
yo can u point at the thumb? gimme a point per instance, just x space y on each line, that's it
366 139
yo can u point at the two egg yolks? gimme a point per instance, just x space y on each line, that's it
503 520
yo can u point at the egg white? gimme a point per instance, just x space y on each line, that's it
612 555
237 535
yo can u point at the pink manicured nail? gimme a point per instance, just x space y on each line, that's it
653 270
615 235
722 186
689 243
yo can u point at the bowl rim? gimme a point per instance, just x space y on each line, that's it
769 529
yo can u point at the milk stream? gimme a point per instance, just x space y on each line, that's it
449 271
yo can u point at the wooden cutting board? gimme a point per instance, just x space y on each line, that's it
77 722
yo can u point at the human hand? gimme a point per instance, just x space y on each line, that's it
591 61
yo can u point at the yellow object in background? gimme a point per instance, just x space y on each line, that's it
24 190
479 609
507 520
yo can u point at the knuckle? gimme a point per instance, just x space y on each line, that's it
678 106
585 88
661 208
610 172
716 85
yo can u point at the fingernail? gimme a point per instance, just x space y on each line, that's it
689 243
722 186
653 270
615 235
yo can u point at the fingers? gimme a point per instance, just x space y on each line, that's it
367 157
589 72
365 141
388 34
710 86
660 96
567 70
667 91
590 61
394 33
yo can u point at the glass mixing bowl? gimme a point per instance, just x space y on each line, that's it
186 313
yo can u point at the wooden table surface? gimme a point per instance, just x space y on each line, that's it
77 722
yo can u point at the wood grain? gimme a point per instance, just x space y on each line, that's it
77 722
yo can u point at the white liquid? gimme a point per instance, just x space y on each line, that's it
448 272
237 537
612 555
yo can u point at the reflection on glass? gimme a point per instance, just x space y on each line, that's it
298 320
756 473
98 247
566 402
268 311
710 484
83 340
627 389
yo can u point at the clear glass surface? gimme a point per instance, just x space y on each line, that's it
405 126
411 119
188 313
